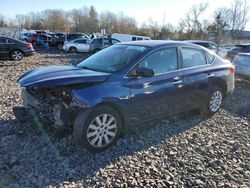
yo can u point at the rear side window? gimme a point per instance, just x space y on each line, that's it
81 41
3 41
242 60
210 57
162 61
192 57
133 38
11 41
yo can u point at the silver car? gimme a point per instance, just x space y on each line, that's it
242 64
77 45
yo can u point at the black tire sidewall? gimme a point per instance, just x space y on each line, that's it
83 121
74 50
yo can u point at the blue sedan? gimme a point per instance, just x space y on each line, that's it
127 83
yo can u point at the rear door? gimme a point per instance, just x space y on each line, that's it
157 96
4 47
196 75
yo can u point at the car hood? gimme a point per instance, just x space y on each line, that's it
60 75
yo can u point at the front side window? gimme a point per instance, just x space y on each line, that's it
162 61
192 57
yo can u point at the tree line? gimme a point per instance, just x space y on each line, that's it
88 20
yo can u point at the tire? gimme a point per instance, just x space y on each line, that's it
16 55
59 46
72 50
214 101
91 131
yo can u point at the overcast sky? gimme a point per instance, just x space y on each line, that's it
141 10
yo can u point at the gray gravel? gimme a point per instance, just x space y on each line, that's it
180 151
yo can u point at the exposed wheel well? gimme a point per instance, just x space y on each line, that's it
116 108
223 87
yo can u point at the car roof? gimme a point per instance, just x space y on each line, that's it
244 54
157 43
11 38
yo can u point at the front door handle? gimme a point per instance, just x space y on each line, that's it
210 75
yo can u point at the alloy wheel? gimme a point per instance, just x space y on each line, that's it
215 101
102 130
16 55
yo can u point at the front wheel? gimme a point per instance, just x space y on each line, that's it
214 101
99 130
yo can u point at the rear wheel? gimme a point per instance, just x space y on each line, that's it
214 101
99 130
72 50
16 55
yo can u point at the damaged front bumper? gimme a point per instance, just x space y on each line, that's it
57 113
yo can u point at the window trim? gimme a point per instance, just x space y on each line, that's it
153 51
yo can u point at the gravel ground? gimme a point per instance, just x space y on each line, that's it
180 151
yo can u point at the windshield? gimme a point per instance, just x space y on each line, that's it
112 59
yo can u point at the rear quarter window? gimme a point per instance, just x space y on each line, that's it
243 60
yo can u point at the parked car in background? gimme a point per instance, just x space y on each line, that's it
33 39
242 64
240 48
211 46
44 40
127 83
25 36
15 49
62 39
228 47
98 44
127 38
77 45
207 44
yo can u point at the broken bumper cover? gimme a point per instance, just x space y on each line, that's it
23 114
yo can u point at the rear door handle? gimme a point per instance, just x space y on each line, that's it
210 75
177 80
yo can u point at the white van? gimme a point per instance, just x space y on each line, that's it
126 37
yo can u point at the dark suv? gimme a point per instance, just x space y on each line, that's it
14 48
98 44
127 83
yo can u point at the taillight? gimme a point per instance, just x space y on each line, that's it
232 69
29 46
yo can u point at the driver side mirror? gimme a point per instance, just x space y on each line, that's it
143 72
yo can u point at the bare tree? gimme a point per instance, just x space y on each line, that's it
2 21
192 25
238 17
